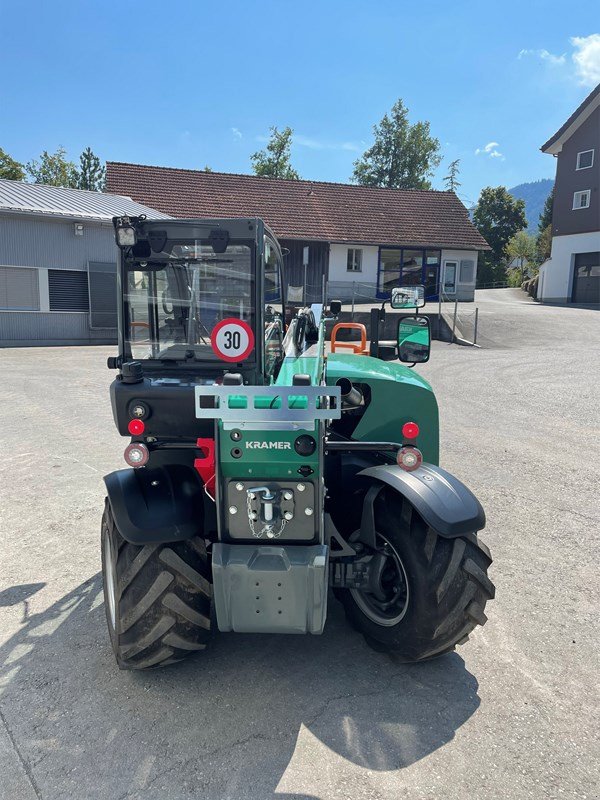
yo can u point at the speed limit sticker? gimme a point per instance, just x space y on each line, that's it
232 339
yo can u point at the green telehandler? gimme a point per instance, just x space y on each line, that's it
266 465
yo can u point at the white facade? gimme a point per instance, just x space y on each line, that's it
465 273
458 268
555 283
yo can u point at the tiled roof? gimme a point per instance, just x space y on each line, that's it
307 210
34 198
565 126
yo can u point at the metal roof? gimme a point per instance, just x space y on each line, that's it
56 201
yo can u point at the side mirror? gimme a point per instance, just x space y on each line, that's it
408 297
335 306
414 339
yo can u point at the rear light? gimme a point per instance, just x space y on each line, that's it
409 458
136 454
136 427
410 430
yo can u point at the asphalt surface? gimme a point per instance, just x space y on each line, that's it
513 714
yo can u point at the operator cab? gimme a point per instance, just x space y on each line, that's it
201 296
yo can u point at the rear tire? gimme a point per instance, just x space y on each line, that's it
157 598
432 591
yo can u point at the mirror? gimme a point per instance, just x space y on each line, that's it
414 339
335 306
408 297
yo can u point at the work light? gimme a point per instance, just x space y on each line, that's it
125 233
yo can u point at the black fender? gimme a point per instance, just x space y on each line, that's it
441 499
163 504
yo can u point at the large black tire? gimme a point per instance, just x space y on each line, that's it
441 586
157 598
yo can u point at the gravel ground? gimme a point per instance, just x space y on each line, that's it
513 714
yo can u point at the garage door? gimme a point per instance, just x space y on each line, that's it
586 279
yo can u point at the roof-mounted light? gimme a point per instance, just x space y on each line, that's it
125 232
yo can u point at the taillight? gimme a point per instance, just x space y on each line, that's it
136 454
410 430
136 427
409 458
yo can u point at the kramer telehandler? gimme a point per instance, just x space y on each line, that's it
266 465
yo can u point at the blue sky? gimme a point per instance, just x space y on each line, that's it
186 84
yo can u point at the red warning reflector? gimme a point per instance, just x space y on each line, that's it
136 427
409 458
410 430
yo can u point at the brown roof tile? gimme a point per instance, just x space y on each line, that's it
307 210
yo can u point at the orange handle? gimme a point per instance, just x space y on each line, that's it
356 347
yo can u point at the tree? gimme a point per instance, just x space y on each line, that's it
10 169
451 179
91 173
274 160
543 242
521 247
546 215
403 156
54 170
498 216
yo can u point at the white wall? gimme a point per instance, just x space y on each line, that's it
338 260
464 290
556 275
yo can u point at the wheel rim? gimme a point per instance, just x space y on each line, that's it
386 601
109 581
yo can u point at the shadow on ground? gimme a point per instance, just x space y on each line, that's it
228 723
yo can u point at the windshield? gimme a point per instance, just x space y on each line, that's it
174 301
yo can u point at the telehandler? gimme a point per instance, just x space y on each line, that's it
266 465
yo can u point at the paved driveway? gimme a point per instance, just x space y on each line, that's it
514 714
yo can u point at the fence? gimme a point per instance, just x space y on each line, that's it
462 319
493 285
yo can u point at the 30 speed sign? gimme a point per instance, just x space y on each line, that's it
232 339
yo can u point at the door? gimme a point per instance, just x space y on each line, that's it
449 277
586 278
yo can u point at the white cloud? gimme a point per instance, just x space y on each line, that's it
586 58
490 149
545 55
318 144
583 63
237 134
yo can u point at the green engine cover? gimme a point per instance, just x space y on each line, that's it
398 395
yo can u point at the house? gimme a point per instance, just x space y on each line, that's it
58 264
360 240
572 274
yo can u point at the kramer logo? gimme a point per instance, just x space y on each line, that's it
268 446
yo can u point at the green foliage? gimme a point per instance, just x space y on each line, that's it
274 160
10 169
91 172
546 215
498 216
515 277
451 180
543 244
403 156
54 170
521 248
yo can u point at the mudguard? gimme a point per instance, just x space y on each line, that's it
441 499
156 505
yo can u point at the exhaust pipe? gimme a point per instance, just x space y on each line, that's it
352 397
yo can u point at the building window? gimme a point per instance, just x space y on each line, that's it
467 271
19 289
585 159
354 263
68 290
581 199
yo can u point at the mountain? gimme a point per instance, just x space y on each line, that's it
534 194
